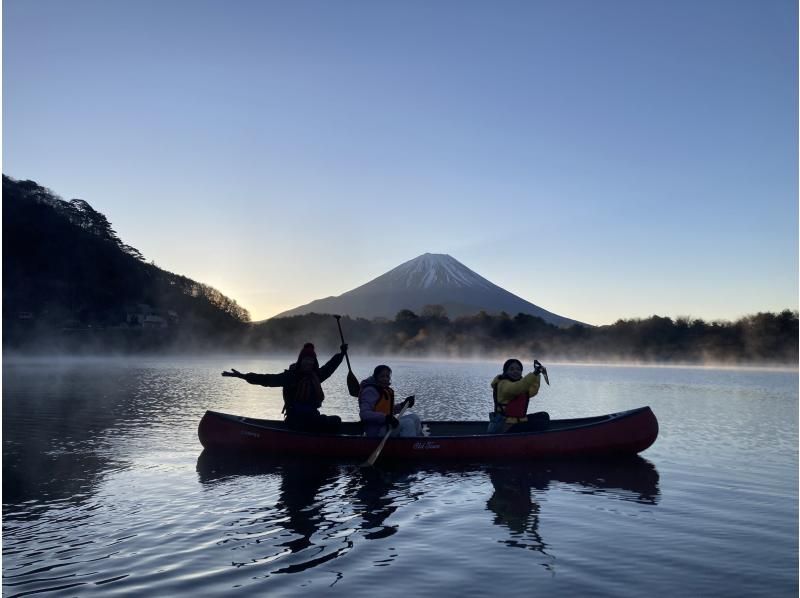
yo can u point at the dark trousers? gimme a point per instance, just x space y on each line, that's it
536 422
313 421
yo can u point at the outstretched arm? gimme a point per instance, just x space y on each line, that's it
260 379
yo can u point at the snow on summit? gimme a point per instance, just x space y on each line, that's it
433 270
429 279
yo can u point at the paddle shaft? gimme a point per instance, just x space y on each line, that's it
374 456
353 387
341 336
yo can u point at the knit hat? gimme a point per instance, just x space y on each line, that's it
307 351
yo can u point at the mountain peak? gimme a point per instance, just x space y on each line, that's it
432 270
428 279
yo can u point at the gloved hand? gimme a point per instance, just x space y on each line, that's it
409 401
233 374
343 348
538 368
392 421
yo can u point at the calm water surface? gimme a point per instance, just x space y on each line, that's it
106 490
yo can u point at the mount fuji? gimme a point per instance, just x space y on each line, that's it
430 279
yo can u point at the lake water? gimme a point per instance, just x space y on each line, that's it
106 490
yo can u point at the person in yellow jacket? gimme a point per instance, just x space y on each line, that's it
512 393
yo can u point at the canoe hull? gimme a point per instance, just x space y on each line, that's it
624 433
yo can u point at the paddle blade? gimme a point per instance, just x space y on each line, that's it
352 384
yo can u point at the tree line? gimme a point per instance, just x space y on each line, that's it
763 338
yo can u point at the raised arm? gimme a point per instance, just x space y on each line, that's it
529 383
327 370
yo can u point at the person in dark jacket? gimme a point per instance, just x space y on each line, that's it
302 389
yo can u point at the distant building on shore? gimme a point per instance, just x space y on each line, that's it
147 316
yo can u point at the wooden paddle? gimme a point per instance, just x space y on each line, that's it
374 456
352 382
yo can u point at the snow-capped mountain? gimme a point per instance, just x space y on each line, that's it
430 279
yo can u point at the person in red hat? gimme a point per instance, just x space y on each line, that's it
302 389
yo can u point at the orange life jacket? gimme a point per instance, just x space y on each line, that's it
385 402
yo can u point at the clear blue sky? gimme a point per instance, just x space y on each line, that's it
603 160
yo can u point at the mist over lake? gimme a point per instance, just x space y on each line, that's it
107 491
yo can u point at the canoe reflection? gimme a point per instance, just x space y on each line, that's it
321 504
516 486
299 488
630 478
327 506
375 495
511 501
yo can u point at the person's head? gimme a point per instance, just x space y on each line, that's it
382 375
307 359
512 369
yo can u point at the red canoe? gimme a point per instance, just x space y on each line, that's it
624 433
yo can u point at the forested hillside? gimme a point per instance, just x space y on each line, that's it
69 280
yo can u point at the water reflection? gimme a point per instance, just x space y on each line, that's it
513 506
67 426
326 507
305 516
515 486
321 505
629 478
372 491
